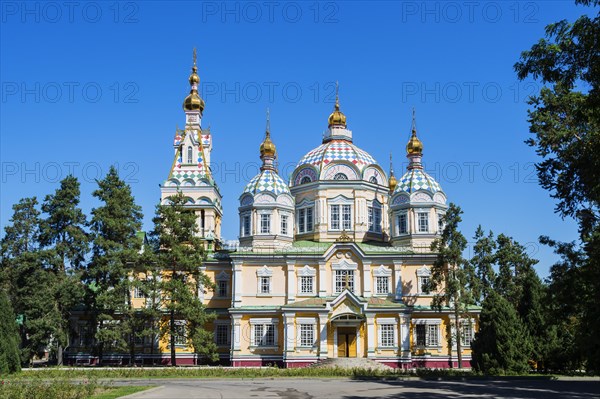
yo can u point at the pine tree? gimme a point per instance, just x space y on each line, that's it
483 263
452 276
9 338
179 255
114 227
63 236
27 281
501 345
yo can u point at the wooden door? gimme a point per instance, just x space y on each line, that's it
342 345
351 340
346 342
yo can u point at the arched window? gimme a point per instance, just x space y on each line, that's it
189 155
305 180
340 176
373 180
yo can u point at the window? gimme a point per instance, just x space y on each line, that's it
374 219
427 335
466 333
424 285
341 215
305 180
440 217
222 288
306 284
85 336
387 335
307 334
340 176
264 335
189 155
344 279
138 293
222 334
179 334
284 225
265 223
402 223
264 285
245 225
382 285
423 222
373 180
305 220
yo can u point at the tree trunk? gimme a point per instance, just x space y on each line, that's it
458 336
59 355
172 326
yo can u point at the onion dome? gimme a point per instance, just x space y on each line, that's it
193 102
267 181
392 180
267 147
414 145
337 117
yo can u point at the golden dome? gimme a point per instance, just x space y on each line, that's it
337 117
414 146
193 102
194 79
393 183
267 147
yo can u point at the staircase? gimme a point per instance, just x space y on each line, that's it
351 363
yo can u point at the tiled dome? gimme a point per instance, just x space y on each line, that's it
337 150
267 181
415 180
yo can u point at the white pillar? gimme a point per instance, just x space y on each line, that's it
291 282
398 279
405 321
322 336
237 285
371 340
289 338
367 280
322 287
236 333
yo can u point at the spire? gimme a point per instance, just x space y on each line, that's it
392 182
268 151
414 147
337 117
193 102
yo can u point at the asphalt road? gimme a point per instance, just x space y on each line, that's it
300 388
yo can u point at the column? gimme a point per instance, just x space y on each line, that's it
367 279
289 339
371 334
291 282
322 287
398 279
236 335
323 336
237 285
405 342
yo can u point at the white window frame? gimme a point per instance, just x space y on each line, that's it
306 332
284 224
246 217
306 272
422 228
401 228
423 275
384 328
382 285
264 278
342 266
471 332
264 325
220 285
374 217
190 155
382 272
305 215
179 338
138 293
432 333
265 223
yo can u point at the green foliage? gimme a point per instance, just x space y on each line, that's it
452 277
565 121
179 251
55 389
10 361
115 248
501 345
483 262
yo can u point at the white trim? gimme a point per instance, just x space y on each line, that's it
382 271
264 271
307 271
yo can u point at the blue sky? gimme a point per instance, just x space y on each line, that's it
92 84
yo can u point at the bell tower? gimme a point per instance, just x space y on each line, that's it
190 171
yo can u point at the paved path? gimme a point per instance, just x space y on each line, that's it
300 388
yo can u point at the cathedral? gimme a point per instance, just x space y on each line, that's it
334 263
